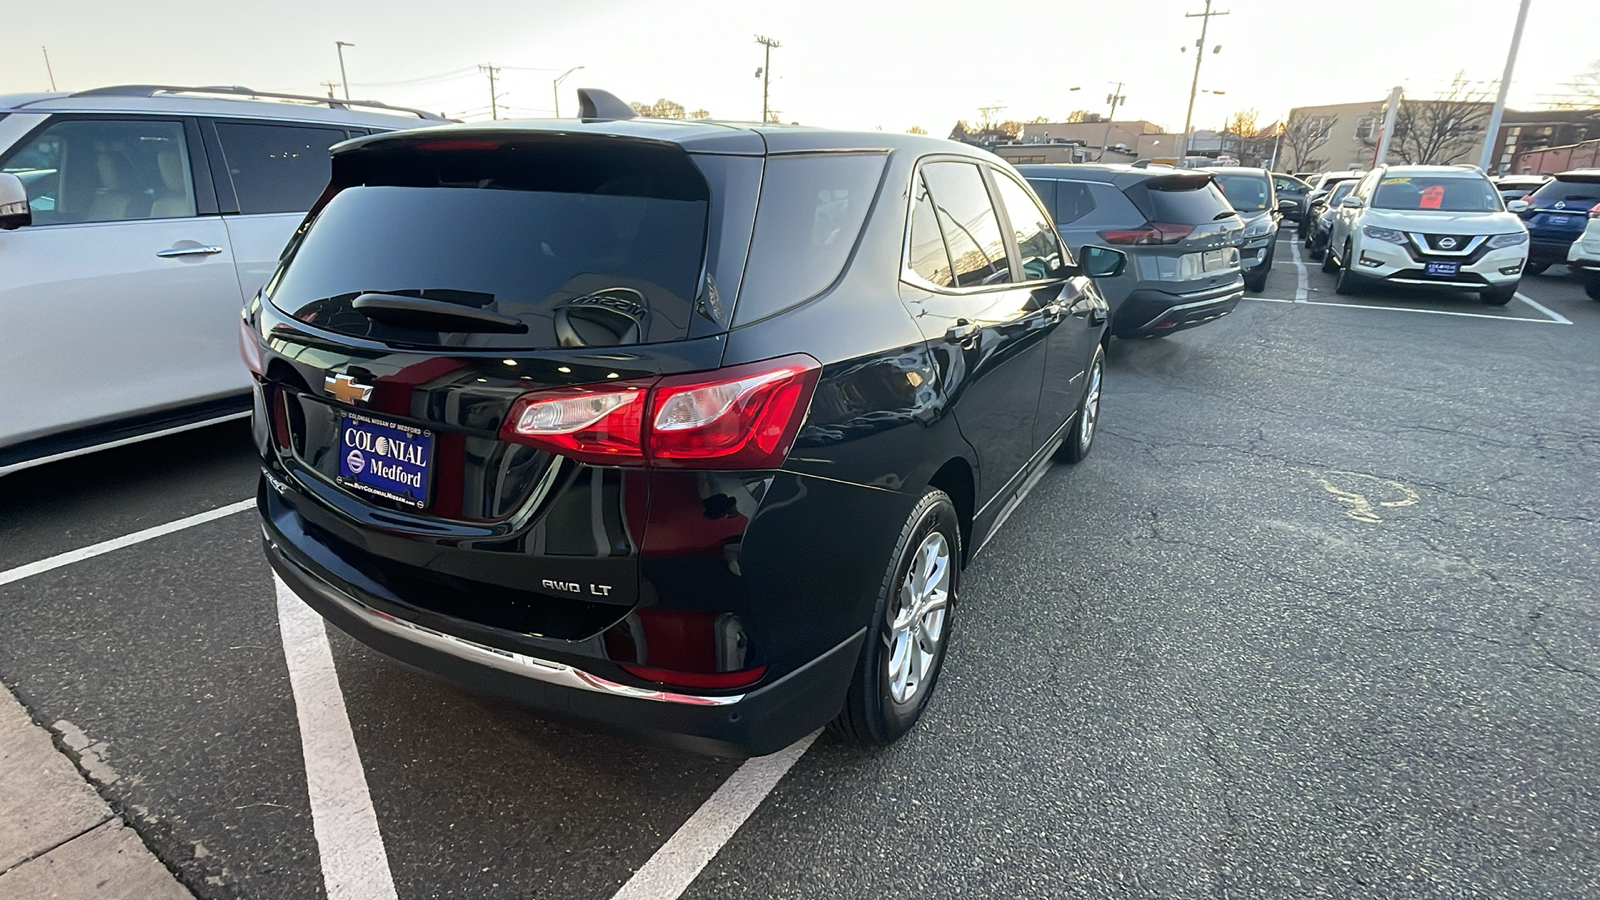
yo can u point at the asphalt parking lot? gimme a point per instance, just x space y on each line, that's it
1317 618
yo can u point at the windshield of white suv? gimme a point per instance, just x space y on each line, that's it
1446 194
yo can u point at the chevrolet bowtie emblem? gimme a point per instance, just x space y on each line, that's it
346 388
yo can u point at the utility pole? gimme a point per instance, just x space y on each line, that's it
766 71
1492 139
494 98
1115 98
330 85
340 45
47 68
1199 55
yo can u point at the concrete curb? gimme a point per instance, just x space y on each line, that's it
60 840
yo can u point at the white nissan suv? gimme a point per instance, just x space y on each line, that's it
1437 226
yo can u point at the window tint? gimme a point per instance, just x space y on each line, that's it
1562 190
1046 189
1247 193
807 220
1186 201
1074 200
586 244
927 255
968 221
1039 249
105 170
277 168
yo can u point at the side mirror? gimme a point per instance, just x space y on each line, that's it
1102 262
1288 205
14 209
1351 203
1517 206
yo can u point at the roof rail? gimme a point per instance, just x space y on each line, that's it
244 93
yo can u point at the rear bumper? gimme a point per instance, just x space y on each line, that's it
1148 311
1550 250
760 721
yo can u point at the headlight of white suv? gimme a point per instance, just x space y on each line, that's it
1261 228
1508 240
1384 234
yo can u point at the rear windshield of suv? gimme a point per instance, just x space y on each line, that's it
1585 191
1448 194
1184 201
1247 193
574 246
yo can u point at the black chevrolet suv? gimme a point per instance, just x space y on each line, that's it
682 429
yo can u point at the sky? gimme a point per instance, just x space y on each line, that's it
842 63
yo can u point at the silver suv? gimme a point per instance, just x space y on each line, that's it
134 221
1180 234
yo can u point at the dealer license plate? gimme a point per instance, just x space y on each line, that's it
1559 220
1445 269
385 459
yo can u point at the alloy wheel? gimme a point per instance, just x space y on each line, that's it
918 622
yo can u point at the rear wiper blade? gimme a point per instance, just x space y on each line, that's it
436 315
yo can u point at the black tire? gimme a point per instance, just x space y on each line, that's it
1534 268
1499 296
1591 285
1329 263
871 714
1087 423
1348 282
1257 279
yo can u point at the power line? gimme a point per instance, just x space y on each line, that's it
494 98
452 75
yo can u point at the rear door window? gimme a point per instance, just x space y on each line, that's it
105 170
1038 247
967 217
582 244
277 168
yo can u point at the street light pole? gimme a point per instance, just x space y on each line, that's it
1199 54
340 45
1114 99
555 87
1492 139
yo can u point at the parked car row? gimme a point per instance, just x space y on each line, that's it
1556 213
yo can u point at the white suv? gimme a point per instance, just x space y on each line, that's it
1584 255
134 221
1439 226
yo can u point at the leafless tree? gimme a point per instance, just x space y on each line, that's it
700 114
1242 123
1302 136
1077 115
916 129
1447 129
661 109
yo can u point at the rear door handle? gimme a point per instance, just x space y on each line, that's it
963 332
188 251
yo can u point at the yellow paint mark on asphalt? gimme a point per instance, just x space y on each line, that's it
1365 495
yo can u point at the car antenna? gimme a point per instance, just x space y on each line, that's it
597 104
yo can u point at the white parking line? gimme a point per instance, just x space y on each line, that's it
1542 308
1409 309
355 865
128 540
1299 271
675 866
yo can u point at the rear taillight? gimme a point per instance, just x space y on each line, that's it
709 680
602 424
250 349
741 417
1148 233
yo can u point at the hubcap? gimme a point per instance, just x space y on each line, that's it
1091 407
916 624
